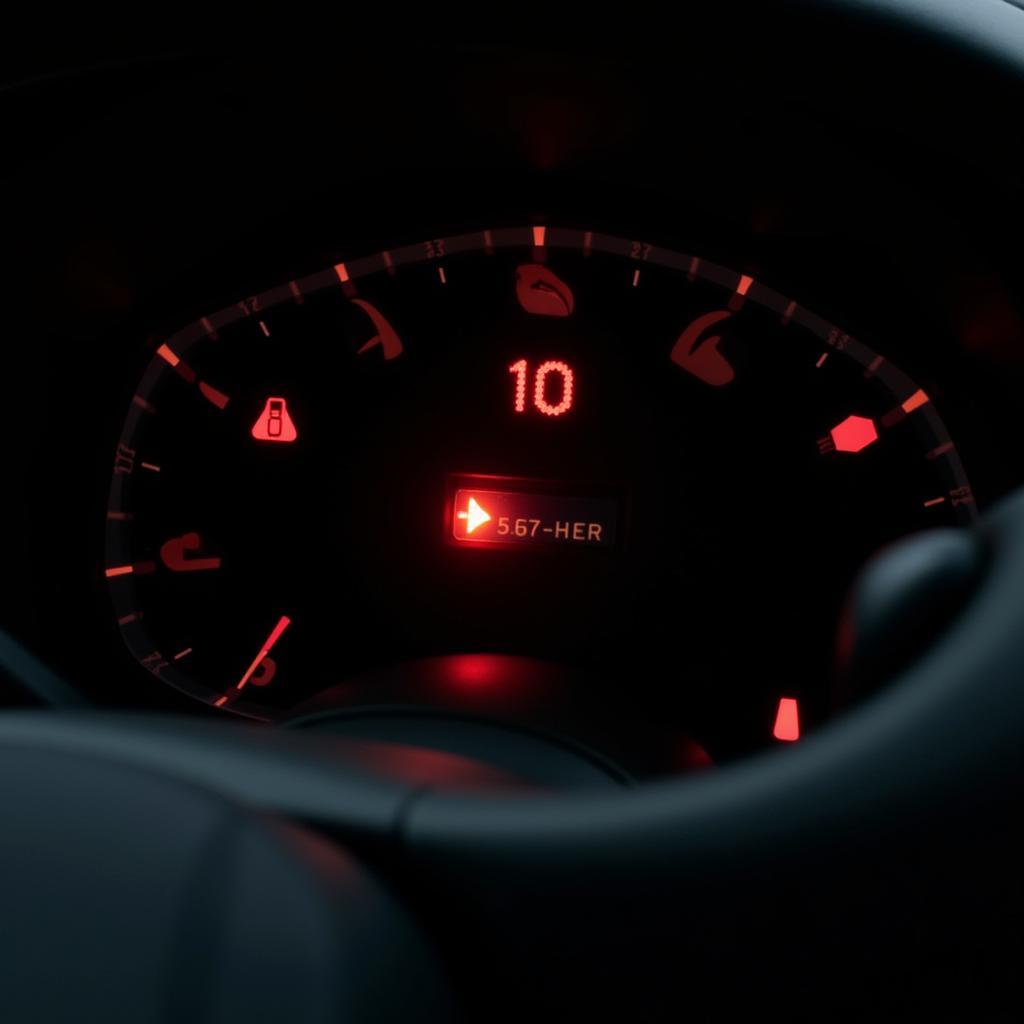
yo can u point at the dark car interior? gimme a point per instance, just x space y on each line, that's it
516 526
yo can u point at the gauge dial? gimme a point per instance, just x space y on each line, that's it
535 441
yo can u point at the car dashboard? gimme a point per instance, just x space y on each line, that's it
516 527
535 392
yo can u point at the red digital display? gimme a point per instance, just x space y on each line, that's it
552 387
492 516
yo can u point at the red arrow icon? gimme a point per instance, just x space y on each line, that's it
475 516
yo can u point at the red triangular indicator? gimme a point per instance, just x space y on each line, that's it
274 423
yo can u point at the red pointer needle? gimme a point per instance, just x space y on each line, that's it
275 634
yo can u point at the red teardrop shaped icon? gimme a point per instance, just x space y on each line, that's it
274 423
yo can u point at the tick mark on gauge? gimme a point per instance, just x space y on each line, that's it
347 286
787 315
440 274
143 404
212 395
173 360
169 357
150 466
941 450
636 277
296 293
539 235
265 329
182 654
915 401
739 296
933 502
873 367
821 361
209 328
118 570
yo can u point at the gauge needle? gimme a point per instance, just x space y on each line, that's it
275 634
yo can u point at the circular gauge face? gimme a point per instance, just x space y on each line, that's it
536 441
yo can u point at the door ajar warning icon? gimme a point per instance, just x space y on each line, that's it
274 423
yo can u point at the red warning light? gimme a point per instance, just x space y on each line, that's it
531 517
474 514
274 423
854 434
787 720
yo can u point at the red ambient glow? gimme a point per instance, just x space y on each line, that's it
274 423
543 293
854 434
787 720
475 516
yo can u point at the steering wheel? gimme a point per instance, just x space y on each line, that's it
162 868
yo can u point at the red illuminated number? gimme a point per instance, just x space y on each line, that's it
520 369
552 368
